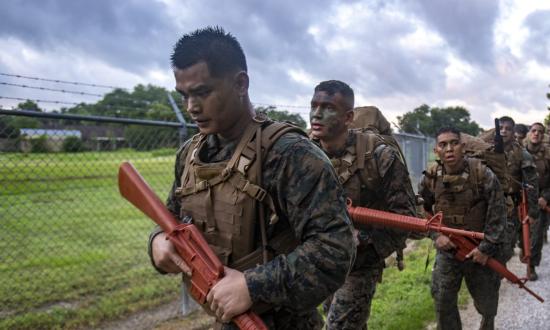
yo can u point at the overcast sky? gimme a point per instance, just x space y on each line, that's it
493 57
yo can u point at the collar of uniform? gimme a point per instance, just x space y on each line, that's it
533 148
217 149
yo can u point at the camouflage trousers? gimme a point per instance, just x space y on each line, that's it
482 283
349 306
511 234
537 231
514 234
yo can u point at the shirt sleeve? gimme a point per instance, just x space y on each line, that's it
429 200
397 193
529 175
306 190
495 216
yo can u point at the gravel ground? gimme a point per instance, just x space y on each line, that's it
517 309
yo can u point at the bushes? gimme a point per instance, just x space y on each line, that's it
40 144
72 144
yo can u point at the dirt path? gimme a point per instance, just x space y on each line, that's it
164 317
517 309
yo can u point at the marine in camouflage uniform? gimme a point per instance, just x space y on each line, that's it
541 155
265 197
373 176
470 197
522 173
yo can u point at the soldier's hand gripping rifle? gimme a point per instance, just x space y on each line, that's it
464 240
205 266
525 228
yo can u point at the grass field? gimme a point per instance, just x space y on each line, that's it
73 251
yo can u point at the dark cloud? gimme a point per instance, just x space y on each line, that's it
130 34
466 25
134 37
537 44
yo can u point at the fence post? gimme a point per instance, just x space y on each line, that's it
183 129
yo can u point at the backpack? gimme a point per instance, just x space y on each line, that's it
477 147
371 119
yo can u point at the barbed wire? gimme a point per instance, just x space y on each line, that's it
264 104
282 105
50 89
37 100
59 81
98 106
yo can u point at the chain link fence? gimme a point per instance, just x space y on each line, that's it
72 251
418 152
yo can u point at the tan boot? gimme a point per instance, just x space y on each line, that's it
533 274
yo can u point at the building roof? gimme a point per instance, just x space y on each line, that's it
49 132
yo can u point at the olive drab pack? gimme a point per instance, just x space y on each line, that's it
227 201
372 131
475 147
541 156
371 119
459 197
356 158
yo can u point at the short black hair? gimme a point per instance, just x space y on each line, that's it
521 129
448 129
332 87
221 51
505 119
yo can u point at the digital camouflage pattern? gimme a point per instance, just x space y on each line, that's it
522 169
482 283
309 200
350 305
447 274
541 156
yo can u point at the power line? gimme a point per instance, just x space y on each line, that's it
59 81
50 89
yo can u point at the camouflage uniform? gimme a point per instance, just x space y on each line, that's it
486 202
541 155
522 169
309 200
391 190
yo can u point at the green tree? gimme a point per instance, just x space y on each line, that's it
282 115
426 120
29 105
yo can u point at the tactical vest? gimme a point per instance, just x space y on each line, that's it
541 156
514 159
225 200
360 157
459 196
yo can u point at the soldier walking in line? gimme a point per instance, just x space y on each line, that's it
266 199
470 197
541 155
373 176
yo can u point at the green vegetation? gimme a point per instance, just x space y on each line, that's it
403 300
427 121
73 251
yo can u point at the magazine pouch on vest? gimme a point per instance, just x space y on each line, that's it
459 196
222 198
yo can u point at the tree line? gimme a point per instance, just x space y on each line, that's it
151 102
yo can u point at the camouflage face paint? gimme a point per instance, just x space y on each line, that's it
327 115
